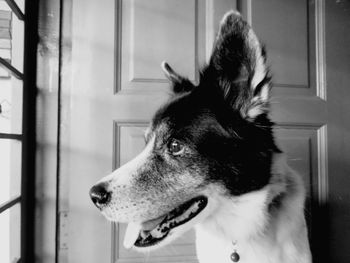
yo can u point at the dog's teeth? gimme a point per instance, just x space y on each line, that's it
157 233
131 234
144 234
149 238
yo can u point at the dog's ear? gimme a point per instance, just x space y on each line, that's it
237 66
179 83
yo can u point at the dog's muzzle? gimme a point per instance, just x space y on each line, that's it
99 195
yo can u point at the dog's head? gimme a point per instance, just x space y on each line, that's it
210 140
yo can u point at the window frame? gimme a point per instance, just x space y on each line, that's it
26 199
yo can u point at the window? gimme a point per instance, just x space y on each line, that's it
17 131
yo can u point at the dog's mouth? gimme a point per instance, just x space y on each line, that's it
152 232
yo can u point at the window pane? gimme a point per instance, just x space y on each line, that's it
17 41
10 229
10 170
11 49
11 106
5 35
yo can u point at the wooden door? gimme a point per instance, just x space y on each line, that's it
117 84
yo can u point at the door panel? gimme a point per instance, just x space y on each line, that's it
154 31
293 32
299 146
287 43
302 148
150 33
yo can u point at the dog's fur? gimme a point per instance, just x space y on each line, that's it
214 140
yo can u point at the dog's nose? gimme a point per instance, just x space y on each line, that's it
99 195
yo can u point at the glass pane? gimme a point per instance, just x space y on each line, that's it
11 106
5 39
10 170
4 5
10 229
17 41
5 35
11 49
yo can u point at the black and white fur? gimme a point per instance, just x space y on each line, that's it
211 162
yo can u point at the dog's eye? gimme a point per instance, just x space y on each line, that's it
175 147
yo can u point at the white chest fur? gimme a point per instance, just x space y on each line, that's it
241 220
262 236
212 249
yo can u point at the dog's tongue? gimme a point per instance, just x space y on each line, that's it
131 234
133 230
151 224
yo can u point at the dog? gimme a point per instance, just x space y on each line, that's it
211 162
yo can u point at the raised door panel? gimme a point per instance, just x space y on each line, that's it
288 41
293 32
304 148
156 31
